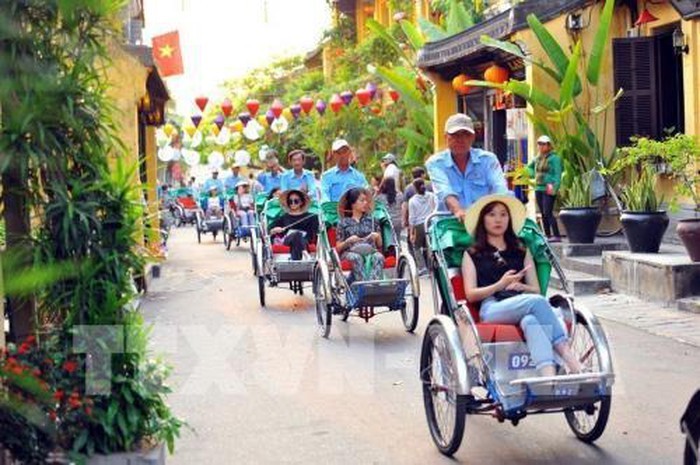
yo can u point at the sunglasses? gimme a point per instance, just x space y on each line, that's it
295 201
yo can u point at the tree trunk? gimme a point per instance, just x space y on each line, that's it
19 246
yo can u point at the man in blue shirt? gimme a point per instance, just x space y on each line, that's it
235 178
342 176
213 181
462 174
298 177
272 177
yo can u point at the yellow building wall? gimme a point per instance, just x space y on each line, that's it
127 84
445 105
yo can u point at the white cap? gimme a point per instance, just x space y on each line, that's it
339 144
389 157
459 122
544 140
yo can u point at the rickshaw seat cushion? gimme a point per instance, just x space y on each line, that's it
488 332
389 256
187 203
281 248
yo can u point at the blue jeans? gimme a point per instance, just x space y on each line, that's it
537 319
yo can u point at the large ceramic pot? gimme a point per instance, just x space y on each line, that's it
689 232
580 224
644 230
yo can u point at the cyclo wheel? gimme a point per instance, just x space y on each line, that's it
588 424
409 312
444 408
323 309
261 290
610 224
225 232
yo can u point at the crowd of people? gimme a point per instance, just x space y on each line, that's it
463 180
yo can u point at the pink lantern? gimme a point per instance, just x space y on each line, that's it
226 107
277 108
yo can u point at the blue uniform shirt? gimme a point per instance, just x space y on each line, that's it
305 182
213 182
231 181
335 182
483 176
269 181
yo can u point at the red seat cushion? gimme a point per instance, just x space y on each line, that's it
187 203
488 332
281 248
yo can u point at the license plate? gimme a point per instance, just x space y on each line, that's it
520 361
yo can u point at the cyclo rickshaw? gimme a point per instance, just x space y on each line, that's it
233 231
185 207
273 263
209 224
255 234
335 295
486 369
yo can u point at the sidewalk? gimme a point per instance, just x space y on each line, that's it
650 317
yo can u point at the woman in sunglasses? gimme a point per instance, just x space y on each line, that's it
297 228
499 272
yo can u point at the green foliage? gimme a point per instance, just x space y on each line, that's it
681 154
456 16
86 216
578 194
640 195
577 131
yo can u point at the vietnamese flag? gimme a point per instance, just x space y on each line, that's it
167 54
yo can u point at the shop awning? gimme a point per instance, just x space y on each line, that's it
688 9
445 54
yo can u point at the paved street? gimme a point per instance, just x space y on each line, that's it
259 386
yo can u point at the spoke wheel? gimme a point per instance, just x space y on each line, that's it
444 408
227 237
588 426
261 290
199 235
323 309
409 312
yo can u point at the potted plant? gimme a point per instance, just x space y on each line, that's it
579 216
679 155
643 222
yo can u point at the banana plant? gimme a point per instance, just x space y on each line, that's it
574 129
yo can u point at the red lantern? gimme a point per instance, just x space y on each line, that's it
394 95
307 103
253 107
363 97
645 17
376 109
496 74
201 102
226 107
336 103
459 86
277 108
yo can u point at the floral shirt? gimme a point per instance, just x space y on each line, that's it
350 227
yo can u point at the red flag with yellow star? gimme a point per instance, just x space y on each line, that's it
167 54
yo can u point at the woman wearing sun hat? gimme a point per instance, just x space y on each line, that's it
297 228
499 272
546 169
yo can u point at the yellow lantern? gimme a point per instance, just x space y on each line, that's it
237 126
168 129
287 113
190 130
215 129
263 121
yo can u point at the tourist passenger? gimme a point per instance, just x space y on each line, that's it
297 227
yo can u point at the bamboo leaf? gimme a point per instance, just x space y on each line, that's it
508 47
599 43
566 92
431 31
534 96
458 19
405 87
382 32
413 34
549 44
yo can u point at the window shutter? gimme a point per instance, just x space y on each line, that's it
634 64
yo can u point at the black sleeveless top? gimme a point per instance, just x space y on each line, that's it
491 264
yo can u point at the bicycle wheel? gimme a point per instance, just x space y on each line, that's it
589 423
444 408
